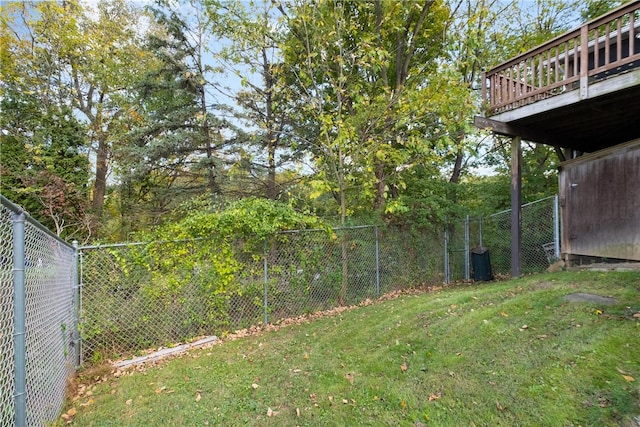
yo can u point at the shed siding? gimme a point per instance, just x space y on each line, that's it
600 203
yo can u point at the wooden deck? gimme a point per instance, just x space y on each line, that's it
580 90
607 46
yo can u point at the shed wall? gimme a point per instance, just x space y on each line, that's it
600 203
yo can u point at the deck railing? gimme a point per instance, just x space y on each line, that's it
606 46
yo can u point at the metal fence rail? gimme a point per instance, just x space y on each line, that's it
141 296
37 319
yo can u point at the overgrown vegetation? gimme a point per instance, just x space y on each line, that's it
214 272
355 111
503 354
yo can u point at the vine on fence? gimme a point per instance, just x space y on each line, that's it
200 275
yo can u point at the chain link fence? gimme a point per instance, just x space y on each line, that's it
540 240
135 297
37 319
147 295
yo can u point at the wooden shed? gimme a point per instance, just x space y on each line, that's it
600 203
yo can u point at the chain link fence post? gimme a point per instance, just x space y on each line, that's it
377 261
76 303
447 273
80 343
19 321
556 227
467 249
266 282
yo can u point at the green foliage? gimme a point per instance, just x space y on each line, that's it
592 9
44 164
199 275
252 217
369 86
249 220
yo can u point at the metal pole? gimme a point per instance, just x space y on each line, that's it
266 279
377 263
80 303
516 206
76 303
447 273
19 321
467 273
556 227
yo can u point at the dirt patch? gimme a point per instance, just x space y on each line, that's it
584 297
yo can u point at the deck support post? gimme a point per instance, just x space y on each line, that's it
516 205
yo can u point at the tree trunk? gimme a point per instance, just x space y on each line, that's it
100 184
272 142
343 221
457 167
379 201
271 175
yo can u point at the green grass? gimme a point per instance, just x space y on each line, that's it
468 359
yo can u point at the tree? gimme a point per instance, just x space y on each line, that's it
44 164
366 75
591 9
69 57
177 148
105 60
251 39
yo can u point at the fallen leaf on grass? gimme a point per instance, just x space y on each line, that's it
349 376
403 367
503 314
68 416
499 406
128 402
272 413
160 390
434 396
298 412
87 403
254 386
628 378
637 315
198 396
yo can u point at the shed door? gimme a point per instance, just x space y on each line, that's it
600 201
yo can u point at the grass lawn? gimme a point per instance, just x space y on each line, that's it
511 353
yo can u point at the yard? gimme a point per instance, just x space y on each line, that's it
504 353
